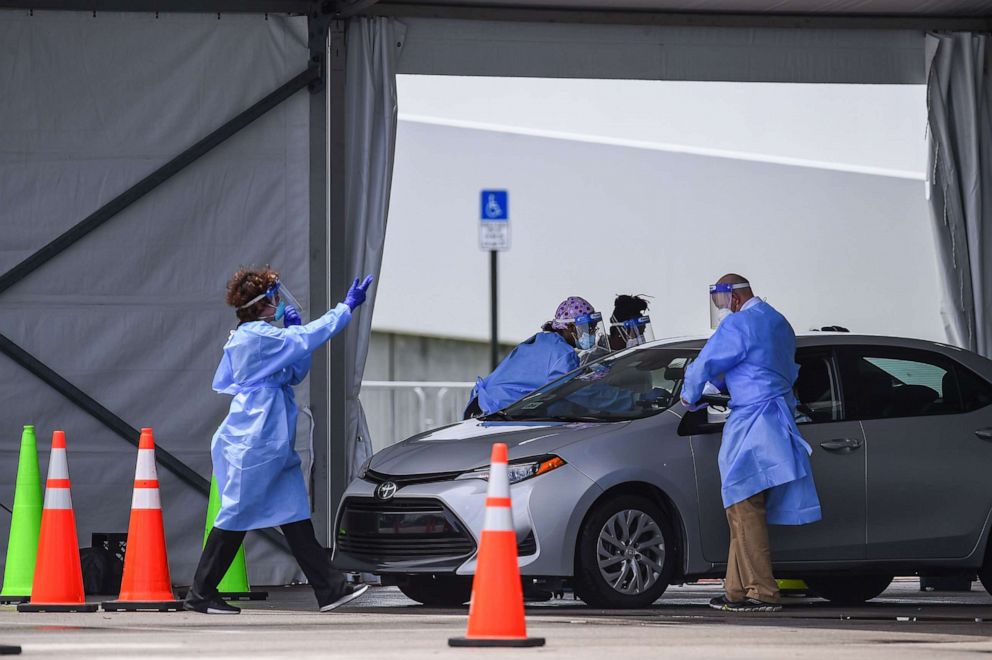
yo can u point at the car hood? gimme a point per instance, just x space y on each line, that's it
468 445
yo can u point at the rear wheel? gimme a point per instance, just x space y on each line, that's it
626 555
848 589
437 590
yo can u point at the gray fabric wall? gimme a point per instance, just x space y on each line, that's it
134 313
960 117
560 50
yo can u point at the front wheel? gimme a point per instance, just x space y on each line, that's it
626 554
437 590
848 589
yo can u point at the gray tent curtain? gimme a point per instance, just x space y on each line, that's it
374 46
960 122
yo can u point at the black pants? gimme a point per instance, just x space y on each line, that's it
222 545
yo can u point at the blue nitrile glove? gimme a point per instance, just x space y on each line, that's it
356 294
291 317
693 407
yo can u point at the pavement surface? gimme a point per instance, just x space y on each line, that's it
903 623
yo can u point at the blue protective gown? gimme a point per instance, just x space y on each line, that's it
533 364
761 449
257 469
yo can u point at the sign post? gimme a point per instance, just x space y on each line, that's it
494 236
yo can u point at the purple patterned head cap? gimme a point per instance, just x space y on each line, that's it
570 309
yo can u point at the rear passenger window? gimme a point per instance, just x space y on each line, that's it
890 382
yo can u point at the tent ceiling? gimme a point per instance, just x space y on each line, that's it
973 8
452 8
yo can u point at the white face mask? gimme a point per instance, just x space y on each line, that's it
722 314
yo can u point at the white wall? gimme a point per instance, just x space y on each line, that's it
825 246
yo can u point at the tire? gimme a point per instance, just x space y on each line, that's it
848 589
651 561
437 590
985 572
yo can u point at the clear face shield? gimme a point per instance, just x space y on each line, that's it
721 296
279 296
634 332
590 337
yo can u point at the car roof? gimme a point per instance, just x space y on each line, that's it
816 338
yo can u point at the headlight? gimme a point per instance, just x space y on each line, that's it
519 471
362 471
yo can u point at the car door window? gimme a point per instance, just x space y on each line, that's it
882 382
817 389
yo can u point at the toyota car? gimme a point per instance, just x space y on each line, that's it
616 488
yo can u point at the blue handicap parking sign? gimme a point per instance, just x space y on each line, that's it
495 206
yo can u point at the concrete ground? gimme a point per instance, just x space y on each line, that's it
903 623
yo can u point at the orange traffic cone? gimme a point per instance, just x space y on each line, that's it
58 578
496 613
146 584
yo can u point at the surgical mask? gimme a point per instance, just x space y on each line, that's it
722 314
280 310
586 341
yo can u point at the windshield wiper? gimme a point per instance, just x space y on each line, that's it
567 418
498 414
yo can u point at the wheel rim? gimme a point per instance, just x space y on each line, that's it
631 552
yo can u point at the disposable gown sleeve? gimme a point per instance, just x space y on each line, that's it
224 377
561 365
725 349
281 348
300 370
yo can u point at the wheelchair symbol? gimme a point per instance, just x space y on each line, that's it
493 209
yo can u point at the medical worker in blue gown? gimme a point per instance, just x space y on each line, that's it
257 469
545 357
764 462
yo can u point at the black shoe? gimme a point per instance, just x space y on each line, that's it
752 605
215 605
350 593
721 602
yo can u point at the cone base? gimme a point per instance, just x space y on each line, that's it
58 607
235 595
6 649
142 606
493 641
11 600
244 595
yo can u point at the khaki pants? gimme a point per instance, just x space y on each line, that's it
749 564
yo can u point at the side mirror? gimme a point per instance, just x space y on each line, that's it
674 373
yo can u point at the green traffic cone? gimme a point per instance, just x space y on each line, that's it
234 584
25 524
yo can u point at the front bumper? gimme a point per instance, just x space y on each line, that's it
435 527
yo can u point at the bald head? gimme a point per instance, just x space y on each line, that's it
739 296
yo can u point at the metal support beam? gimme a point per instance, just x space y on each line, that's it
320 299
95 409
184 6
339 259
606 16
154 180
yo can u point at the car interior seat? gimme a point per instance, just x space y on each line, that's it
910 400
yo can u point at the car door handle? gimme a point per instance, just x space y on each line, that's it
841 444
984 434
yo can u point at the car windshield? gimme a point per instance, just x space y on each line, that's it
630 385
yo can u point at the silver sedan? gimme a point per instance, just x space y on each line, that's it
616 489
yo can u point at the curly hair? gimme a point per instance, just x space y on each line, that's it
248 283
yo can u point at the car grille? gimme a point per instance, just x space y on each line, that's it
402 529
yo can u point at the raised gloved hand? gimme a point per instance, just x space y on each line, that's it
693 407
356 294
291 317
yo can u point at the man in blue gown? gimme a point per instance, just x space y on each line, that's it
765 470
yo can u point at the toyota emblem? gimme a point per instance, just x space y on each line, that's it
385 491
